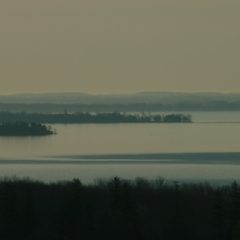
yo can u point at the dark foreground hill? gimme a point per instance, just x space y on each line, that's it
118 209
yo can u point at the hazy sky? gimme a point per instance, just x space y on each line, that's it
124 46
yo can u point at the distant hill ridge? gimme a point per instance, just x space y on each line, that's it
141 97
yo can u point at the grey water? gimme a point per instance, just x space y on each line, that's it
206 150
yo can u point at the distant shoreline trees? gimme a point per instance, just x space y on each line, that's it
179 106
81 117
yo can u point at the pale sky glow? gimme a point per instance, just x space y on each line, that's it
127 46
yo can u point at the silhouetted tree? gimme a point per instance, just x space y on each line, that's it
70 226
234 206
130 217
219 217
9 226
176 229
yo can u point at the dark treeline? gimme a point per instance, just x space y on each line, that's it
118 209
131 107
24 129
81 117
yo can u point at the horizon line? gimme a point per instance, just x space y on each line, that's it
116 94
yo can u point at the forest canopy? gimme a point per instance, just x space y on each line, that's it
118 209
81 117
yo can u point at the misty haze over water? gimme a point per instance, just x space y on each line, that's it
173 151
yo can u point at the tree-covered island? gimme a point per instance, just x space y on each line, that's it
24 129
86 117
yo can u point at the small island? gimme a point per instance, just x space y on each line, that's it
24 129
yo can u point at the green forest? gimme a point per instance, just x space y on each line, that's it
118 209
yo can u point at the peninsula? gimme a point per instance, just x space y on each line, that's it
24 129
83 118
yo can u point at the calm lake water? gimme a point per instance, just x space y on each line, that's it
89 151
